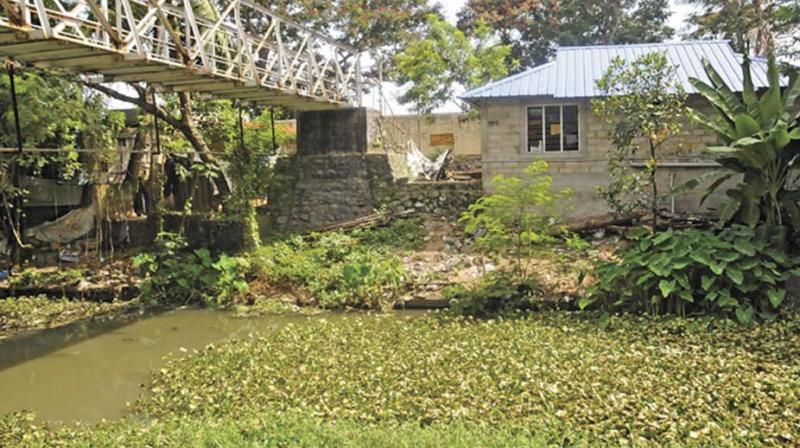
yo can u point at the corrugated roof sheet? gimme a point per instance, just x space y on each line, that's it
575 70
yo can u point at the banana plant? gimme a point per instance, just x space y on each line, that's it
761 136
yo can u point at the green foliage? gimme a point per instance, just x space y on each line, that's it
445 57
364 279
633 382
176 274
402 234
38 278
55 113
730 273
381 27
27 313
762 143
518 218
495 294
332 270
270 430
642 102
749 26
533 28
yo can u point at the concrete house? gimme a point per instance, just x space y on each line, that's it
546 113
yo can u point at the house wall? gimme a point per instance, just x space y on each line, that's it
504 139
436 133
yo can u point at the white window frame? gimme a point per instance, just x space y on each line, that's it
543 108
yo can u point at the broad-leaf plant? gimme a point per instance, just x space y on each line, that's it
761 135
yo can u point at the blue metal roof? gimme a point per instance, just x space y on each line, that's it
575 70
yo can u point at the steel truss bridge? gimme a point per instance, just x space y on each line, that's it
233 49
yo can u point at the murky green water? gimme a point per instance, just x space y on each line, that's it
89 373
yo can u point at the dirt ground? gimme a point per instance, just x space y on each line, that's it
448 257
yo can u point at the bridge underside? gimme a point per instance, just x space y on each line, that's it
234 49
118 67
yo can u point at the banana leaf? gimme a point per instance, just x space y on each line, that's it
726 133
790 96
771 105
732 104
749 92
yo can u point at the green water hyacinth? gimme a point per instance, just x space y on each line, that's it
631 382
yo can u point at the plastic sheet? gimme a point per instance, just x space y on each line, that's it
69 227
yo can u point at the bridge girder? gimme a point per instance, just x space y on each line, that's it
244 52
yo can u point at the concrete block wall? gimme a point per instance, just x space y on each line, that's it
504 138
465 131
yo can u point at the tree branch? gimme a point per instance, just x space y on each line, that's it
140 101
185 124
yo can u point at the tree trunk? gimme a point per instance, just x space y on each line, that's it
195 137
185 124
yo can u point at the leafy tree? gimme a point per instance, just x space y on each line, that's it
750 25
614 22
518 217
643 103
528 26
533 27
761 132
788 18
177 112
444 57
381 27
54 113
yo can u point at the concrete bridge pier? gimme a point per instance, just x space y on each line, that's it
340 172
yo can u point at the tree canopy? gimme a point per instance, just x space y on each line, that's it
380 27
757 26
533 27
445 57
642 103
56 113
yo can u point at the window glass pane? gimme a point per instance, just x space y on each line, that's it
570 128
534 129
552 128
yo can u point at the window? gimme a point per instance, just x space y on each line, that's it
553 128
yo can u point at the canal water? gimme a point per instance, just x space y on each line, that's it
88 372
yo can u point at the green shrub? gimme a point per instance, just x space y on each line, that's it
290 262
518 218
497 293
332 270
176 274
364 279
697 272
408 234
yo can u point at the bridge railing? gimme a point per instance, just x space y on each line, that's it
234 39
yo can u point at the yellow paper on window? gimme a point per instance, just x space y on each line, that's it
555 129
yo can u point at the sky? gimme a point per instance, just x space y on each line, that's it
680 12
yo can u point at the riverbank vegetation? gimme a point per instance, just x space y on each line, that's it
542 379
19 314
685 337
